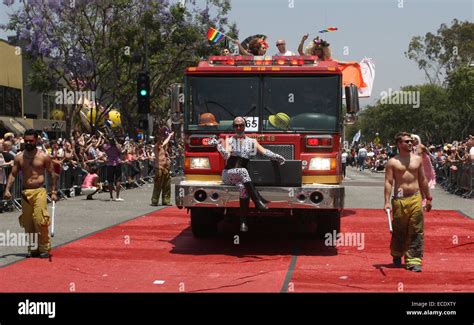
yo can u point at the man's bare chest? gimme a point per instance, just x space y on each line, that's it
35 163
403 167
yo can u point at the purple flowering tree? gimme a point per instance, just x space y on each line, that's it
98 46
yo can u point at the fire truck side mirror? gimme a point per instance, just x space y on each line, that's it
350 119
352 99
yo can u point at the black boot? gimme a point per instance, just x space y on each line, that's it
256 198
244 208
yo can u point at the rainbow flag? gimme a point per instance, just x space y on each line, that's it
214 36
329 29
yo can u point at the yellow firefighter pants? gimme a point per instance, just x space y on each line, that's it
408 229
35 217
162 185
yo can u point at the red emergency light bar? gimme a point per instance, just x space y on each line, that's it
231 60
263 60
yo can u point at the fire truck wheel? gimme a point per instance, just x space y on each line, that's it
203 222
328 222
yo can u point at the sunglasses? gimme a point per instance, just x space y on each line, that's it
408 141
239 125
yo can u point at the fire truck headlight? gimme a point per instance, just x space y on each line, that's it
199 163
320 164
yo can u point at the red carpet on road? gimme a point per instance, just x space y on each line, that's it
157 253
448 263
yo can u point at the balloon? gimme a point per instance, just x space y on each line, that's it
94 112
114 116
57 114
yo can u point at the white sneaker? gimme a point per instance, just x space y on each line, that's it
119 199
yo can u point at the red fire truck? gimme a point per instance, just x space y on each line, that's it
292 106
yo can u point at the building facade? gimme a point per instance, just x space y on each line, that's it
20 107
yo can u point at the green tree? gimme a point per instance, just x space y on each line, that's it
445 108
430 120
461 97
439 54
100 46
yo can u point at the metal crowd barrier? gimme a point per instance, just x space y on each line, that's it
148 169
456 178
15 190
69 181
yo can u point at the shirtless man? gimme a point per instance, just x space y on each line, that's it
34 218
406 169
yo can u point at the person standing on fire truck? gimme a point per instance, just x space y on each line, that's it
318 47
282 51
257 46
237 152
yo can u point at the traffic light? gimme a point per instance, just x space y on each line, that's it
143 93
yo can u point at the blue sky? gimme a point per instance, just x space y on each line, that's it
378 29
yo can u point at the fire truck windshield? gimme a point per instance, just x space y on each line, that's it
289 103
301 103
223 97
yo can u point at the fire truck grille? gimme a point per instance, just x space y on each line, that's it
285 150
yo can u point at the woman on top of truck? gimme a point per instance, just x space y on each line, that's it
318 47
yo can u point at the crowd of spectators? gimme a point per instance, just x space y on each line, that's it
452 161
374 157
75 156
370 156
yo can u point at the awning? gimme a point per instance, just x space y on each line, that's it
13 125
19 125
50 125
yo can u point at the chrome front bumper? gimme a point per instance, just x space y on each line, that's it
191 194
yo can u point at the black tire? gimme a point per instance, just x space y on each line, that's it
203 222
328 221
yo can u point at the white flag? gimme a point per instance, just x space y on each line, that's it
367 67
356 137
